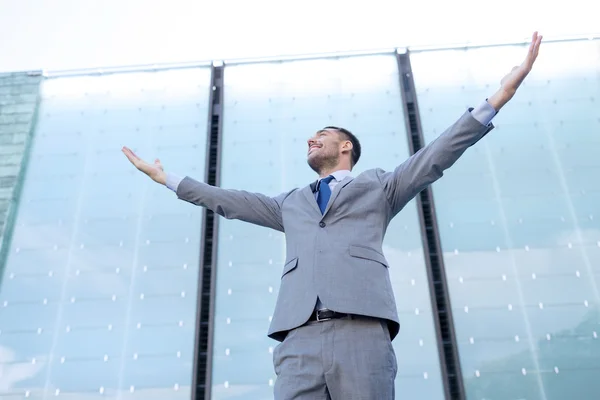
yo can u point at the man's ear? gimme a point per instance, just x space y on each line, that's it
347 146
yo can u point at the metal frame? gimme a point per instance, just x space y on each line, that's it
215 239
304 57
199 299
209 243
293 57
525 41
123 69
434 262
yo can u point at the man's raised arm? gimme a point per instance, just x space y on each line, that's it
255 208
428 164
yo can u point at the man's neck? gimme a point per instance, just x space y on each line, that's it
338 171
331 171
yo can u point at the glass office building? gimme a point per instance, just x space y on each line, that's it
102 290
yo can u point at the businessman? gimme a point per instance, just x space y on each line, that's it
335 316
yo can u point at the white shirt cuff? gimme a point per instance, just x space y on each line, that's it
173 181
484 113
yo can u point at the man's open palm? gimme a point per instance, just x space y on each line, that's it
511 82
154 171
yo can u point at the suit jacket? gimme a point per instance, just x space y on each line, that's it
337 256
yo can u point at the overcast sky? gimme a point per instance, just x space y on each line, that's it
67 34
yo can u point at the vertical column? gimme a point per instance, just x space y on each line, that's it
440 300
19 94
205 316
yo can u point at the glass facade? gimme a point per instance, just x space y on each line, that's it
270 110
518 219
100 287
99 292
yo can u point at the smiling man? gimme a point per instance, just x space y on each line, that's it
335 316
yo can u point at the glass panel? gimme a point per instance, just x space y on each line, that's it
519 223
100 288
270 111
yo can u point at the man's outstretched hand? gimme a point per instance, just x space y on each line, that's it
154 171
511 82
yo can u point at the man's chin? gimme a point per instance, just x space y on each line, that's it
313 163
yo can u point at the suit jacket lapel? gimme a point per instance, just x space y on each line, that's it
310 197
336 191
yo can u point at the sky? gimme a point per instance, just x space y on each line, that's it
74 34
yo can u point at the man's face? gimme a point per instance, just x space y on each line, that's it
324 149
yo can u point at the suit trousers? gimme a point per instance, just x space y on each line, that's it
338 359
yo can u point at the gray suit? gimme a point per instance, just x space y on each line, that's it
337 257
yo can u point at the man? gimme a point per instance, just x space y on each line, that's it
335 314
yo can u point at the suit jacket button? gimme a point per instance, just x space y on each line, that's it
322 224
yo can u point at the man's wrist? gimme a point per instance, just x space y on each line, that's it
499 99
161 178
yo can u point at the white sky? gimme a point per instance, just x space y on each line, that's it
69 34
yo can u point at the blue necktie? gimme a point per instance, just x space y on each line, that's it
324 193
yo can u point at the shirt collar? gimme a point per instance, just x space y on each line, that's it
341 174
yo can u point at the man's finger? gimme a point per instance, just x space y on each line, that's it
130 157
533 50
536 50
135 160
130 152
537 45
533 46
532 43
127 154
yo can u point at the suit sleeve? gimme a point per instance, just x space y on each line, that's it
428 164
250 207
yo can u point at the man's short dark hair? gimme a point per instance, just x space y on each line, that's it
353 139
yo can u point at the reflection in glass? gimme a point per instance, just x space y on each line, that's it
518 218
270 111
100 287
